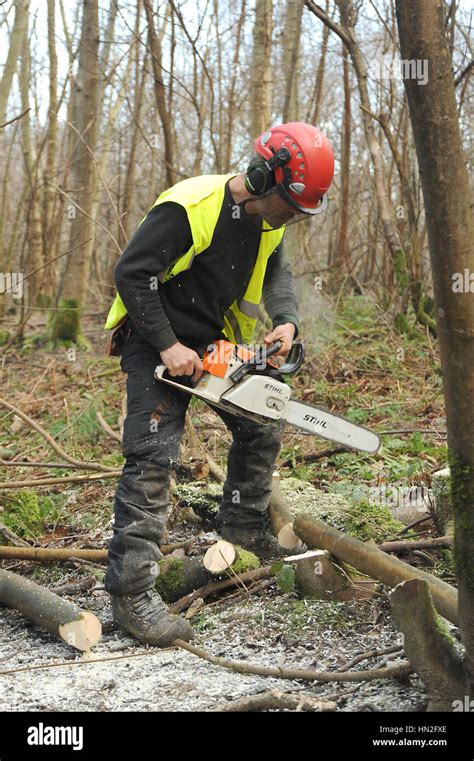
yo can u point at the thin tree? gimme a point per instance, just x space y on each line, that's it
448 209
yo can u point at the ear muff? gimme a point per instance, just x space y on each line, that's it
260 175
259 178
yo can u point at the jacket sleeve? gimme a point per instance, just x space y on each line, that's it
161 238
279 293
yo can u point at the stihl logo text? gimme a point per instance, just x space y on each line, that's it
315 421
273 388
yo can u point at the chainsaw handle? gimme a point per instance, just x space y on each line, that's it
183 380
258 363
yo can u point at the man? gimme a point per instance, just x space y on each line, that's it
196 271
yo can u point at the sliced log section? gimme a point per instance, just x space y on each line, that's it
178 577
375 563
317 577
79 628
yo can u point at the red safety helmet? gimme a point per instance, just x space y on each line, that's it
303 178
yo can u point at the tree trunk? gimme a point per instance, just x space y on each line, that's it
448 210
17 35
291 46
154 44
261 68
85 96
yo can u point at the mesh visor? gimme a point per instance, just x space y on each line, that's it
281 191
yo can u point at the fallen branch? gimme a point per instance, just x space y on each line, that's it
73 587
62 480
370 654
417 544
53 444
34 464
377 564
10 536
218 586
400 671
314 456
197 448
106 427
279 701
55 555
78 628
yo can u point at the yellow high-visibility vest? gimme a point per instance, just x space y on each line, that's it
202 197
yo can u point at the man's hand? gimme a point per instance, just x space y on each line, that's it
180 360
284 333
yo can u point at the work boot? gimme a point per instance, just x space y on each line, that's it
260 541
146 617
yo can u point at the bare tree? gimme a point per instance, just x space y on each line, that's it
261 69
85 97
448 208
16 40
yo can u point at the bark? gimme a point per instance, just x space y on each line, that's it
428 646
62 554
342 246
347 33
179 577
319 84
448 210
281 518
155 47
50 241
375 563
417 544
85 107
317 577
291 46
33 234
261 68
17 35
278 701
78 628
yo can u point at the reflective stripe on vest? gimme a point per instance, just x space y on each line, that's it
202 197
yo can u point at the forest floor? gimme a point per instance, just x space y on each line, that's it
358 366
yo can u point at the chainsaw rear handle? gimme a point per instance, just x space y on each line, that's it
258 363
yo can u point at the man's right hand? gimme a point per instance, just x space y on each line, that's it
180 360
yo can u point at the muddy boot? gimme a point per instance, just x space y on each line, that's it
146 617
260 541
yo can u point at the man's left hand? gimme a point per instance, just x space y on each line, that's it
284 333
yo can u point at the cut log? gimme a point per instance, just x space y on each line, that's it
428 645
178 577
281 518
78 628
317 577
219 557
369 559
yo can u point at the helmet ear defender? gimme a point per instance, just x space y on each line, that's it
260 176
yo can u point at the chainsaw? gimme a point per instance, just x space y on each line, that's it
248 383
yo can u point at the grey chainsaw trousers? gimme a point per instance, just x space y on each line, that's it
152 435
